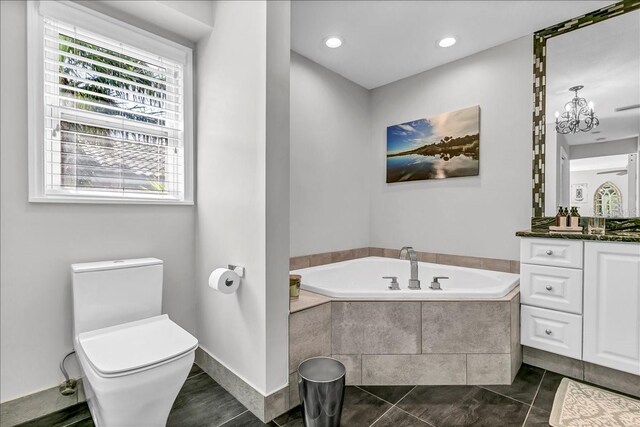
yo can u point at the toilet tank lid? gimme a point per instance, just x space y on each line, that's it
113 265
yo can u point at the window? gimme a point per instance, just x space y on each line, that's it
110 110
607 201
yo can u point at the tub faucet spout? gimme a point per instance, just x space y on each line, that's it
408 251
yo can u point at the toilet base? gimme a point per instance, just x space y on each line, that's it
143 398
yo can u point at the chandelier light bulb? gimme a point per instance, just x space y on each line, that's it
579 115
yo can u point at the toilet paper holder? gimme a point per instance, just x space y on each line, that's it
236 269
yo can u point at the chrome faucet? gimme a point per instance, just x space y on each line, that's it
394 285
435 285
414 283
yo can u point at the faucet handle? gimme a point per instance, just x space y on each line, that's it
435 285
394 282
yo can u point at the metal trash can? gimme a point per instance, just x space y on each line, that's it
321 385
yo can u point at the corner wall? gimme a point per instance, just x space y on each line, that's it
473 216
242 189
330 157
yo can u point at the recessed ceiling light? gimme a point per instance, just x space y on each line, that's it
600 139
333 42
447 42
595 132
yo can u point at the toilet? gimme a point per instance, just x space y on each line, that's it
134 358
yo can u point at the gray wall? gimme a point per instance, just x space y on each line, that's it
608 148
330 158
476 216
40 241
243 197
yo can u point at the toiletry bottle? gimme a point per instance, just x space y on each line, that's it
568 213
575 217
558 215
563 218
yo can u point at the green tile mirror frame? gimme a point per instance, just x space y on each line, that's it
540 39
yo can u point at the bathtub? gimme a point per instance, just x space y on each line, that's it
362 279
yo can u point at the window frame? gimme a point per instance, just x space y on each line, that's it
106 26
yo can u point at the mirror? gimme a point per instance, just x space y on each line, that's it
591 119
593 74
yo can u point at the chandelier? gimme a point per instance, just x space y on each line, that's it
578 115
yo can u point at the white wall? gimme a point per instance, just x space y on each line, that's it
243 197
593 182
475 216
40 241
330 157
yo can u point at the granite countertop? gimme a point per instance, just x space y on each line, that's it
609 236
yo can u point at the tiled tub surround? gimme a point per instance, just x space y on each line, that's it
410 342
494 264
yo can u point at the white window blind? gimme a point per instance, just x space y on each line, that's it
113 117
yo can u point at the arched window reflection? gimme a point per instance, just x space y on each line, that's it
607 201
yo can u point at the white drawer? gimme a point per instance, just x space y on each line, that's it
552 331
551 287
552 252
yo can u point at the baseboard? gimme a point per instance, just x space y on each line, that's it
35 405
266 408
613 379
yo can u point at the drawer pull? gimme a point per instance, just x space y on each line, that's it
549 252
547 331
549 287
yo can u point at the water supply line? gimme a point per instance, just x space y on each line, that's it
69 386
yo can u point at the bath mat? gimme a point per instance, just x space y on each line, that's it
578 404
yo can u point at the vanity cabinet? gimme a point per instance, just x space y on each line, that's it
551 295
581 299
612 305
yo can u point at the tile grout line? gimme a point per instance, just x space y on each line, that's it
233 418
381 416
399 400
413 416
377 397
534 398
409 413
196 375
392 405
504 395
77 421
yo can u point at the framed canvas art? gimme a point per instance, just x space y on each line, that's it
443 146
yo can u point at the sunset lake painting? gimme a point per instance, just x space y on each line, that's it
442 146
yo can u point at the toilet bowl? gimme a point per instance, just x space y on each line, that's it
134 360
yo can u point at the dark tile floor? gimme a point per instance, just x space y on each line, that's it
525 403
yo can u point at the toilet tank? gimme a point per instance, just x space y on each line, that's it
109 293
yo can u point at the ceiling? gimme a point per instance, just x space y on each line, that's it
620 161
385 41
605 59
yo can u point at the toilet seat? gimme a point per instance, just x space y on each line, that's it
133 347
